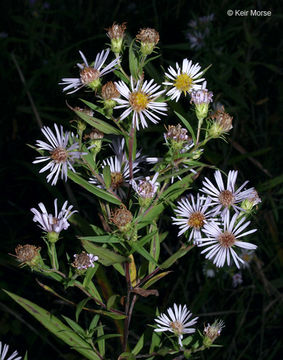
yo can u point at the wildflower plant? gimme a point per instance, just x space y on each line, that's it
131 190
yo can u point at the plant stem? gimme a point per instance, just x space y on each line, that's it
127 306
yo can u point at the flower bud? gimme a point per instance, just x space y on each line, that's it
28 254
252 201
222 123
201 98
148 38
81 124
96 137
116 35
212 332
109 92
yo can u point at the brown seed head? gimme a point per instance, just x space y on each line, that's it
59 155
226 239
26 253
223 119
176 133
116 31
109 91
148 35
82 261
121 217
88 75
226 198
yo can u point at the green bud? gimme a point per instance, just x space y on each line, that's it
95 84
201 111
52 237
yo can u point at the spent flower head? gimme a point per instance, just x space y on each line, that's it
116 35
177 321
121 217
148 38
63 151
183 79
90 74
212 332
220 124
84 261
28 254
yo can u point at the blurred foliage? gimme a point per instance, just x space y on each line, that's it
39 43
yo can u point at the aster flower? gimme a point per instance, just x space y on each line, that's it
237 279
221 240
4 350
119 168
226 197
53 223
183 79
61 155
90 75
84 261
141 101
193 215
147 187
177 322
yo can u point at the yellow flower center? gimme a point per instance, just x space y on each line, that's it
226 239
196 220
183 82
139 101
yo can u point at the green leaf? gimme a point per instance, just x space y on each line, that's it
89 275
26 356
103 337
144 240
105 239
126 356
93 106
98 124
154 251
105 256
107 176
121 76
139 345
181 252
111 301
94 189
187 124
101 340
187 340
133 61
76 327
93 323
110 314
155 278
135 245
56 326
79 308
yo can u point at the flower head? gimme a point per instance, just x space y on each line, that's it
221 240
90 75
53 223
183 80
141 101
177 322
147 187
28 254
121 217
148 38
226 197
192 215
221 123
4 350
84 261
61 155
213 331
116 35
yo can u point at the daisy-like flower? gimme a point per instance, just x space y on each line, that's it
53 223
61 155
119 168
226 197
141 101
4 350
183 80
90 75
177 322
221 240
146 188
84 261
192 215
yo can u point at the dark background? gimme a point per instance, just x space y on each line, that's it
42 38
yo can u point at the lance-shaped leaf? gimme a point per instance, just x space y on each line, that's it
133 61
139 345
105 256
94 189
104 239
181 252
143 252
155 278
56 326
98 124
